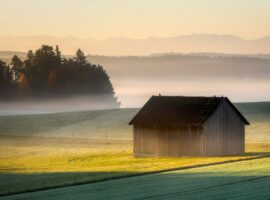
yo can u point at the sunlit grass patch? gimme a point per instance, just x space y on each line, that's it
32 163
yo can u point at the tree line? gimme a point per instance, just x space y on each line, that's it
46 73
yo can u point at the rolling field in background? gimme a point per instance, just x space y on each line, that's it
113 124
44 151
100 124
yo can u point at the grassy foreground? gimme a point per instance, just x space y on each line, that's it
51 159
29 163
241 180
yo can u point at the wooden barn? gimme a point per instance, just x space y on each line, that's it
174 126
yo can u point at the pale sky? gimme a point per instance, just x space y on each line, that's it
100 19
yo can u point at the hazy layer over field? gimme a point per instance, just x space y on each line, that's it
113 124
55 105
135 79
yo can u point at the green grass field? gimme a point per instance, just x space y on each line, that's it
32 163
83 147
100 124
258 114
241 180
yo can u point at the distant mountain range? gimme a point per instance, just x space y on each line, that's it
7 55
211 43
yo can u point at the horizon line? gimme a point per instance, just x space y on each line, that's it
139 38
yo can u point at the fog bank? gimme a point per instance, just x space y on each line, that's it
53 105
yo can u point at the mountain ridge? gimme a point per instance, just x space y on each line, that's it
117 46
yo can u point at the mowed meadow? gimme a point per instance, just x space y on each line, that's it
46 151
241 180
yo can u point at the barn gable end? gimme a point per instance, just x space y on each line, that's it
223 132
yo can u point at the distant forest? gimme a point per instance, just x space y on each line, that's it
45 74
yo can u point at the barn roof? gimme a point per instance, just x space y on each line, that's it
180 111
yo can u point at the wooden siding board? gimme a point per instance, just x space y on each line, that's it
222 132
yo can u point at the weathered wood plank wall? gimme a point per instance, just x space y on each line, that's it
168 142
222 134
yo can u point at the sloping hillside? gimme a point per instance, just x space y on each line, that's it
113 124
100 124
255 112
258 114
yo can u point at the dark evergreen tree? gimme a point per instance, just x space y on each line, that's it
58 55
6 85
39 65
46 74
17 67
80 58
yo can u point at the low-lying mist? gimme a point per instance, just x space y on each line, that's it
136 93
54 105
135 79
